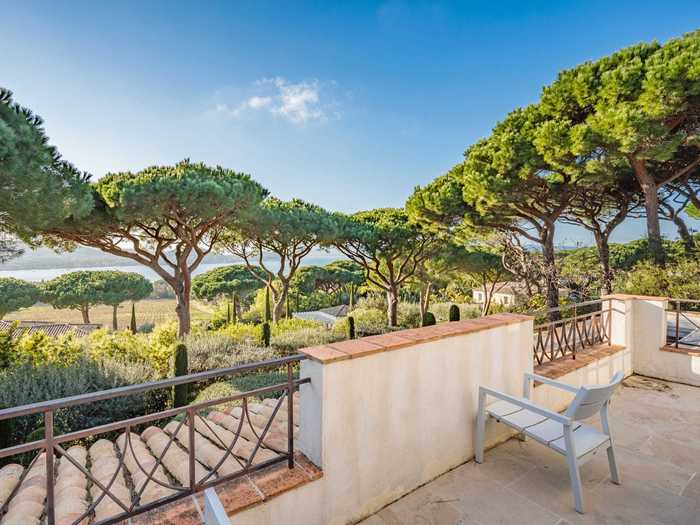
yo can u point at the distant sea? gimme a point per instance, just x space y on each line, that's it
44 274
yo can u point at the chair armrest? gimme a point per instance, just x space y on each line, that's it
554 383
524 403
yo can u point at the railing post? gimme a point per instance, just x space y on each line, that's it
290 416
573 346
609 323
190 449
48 438
678 321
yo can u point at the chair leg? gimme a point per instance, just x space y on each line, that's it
575 483
574 474
480 429
614 473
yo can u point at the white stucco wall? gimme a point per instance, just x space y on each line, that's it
645 326
383 424
597 373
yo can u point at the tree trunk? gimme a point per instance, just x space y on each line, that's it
182 309
234 305
651 205
279 303
84 310
488 295
392 300
114 317
601 242
426 297
550 266
684 233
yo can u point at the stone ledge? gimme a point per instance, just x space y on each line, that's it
623 296
352 349
239 494
561 367
684 350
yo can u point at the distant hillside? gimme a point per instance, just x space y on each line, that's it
81 257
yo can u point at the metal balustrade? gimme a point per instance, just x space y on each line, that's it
248 445
589 325
683 323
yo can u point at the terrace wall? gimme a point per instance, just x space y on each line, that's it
386 414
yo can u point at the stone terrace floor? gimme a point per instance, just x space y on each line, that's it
656 426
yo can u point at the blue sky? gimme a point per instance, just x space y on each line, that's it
346 105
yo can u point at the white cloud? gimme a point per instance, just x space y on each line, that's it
298 103
259 102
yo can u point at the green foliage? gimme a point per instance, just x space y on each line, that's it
227 280
288 229
16 294
389 247
351 327
408 314
265 334
262 379
369 321
215 391
268 313
39 189
290 342
8 350
132 322
331 279
454 313
180 209
82 289
154 349
212 350
37 348
428 319
31 384
180 368
680 280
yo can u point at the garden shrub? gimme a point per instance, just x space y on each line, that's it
351 327
262 379
217 391
155 349
375 301
38 348
290 342
292 324
408 315
369 321
241 332
25 384
7 349
264 335
212 350
428 319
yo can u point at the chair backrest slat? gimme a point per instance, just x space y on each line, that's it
590 399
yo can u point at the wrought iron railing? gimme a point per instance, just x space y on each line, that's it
683 323
588 325
152 483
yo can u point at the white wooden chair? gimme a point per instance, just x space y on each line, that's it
563 433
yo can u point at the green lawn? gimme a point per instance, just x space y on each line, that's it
148 311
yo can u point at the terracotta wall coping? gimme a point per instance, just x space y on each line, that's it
354 348
626 296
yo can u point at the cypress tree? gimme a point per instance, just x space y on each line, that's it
268 311
132 323
180 392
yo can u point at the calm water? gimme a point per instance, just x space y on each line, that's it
44 274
